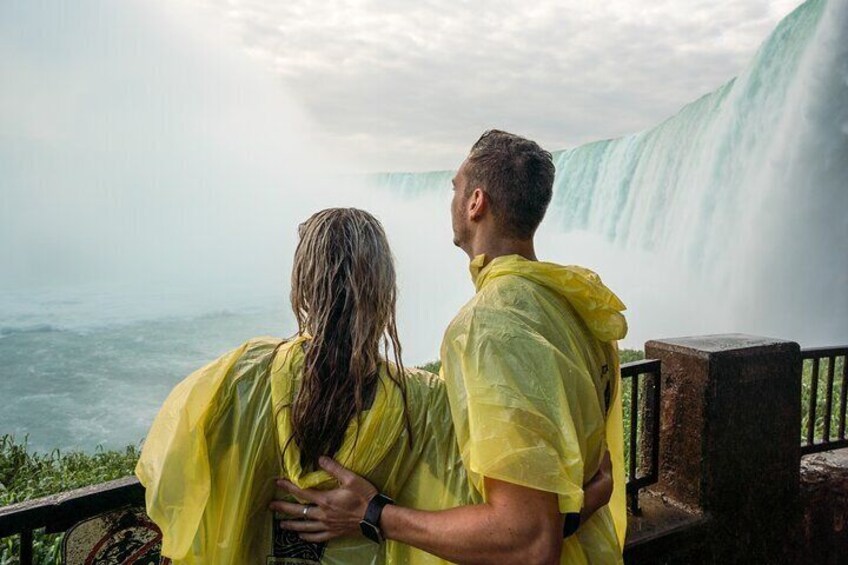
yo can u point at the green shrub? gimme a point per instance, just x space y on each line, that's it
432 366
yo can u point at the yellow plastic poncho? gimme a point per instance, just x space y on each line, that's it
213 452
533 379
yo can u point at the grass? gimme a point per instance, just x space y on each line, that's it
628 356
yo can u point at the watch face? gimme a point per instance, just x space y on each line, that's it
371 531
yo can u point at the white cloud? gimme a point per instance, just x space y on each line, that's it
401 85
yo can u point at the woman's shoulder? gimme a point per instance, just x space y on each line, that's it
254 353
264 345
266 349
264 342
425 392
250 361
424 381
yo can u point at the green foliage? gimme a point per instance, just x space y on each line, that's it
630 355
432 366
821 397
25 476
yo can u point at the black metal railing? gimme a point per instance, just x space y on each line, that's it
821 367
641 401
57 513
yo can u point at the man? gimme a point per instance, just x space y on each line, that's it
531 369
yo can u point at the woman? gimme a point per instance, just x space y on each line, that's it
272 408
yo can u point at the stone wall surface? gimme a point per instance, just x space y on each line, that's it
824 503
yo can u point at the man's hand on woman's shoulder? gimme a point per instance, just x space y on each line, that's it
329 514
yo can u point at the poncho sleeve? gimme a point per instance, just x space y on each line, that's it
437 479
213 432
522 407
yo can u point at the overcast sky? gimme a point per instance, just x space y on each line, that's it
386 85
402 85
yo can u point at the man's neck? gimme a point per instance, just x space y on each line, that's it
493 248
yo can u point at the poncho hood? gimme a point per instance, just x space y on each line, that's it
596 304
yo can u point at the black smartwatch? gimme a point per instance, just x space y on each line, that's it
370 524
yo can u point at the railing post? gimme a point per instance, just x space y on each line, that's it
649 415
634 442
26 547
643 445
729 439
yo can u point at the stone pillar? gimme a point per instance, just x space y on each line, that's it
730 439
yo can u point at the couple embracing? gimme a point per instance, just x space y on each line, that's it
324 448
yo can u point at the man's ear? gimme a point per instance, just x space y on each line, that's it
478 204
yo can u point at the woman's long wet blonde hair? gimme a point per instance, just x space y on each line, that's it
344 296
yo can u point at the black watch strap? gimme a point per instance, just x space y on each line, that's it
571 524
375 508
370 524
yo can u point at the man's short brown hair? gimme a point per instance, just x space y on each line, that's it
518 177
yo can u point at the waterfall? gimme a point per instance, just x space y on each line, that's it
144 238
741 196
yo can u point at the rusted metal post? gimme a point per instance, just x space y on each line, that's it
731 411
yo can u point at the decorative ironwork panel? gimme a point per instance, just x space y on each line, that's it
122 537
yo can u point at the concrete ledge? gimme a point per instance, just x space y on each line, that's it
665 533
824 504
705 346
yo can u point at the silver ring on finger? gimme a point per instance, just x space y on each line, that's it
305 510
